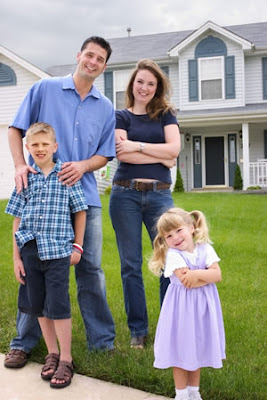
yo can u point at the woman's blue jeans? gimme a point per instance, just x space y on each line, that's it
130 208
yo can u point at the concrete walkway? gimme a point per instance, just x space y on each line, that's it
26 384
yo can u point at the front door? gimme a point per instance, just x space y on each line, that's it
214 149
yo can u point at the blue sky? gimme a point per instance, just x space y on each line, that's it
50 32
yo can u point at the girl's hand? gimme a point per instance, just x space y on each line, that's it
180 272
189 279
75 258
19 271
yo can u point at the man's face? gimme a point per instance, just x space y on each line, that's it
91 61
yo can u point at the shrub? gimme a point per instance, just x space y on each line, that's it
238 183
179 185
108 190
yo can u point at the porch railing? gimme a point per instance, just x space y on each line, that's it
258 173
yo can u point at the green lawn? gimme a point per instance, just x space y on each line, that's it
239 231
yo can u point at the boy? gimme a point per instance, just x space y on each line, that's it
43 249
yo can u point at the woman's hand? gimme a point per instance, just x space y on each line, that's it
126 146
169 163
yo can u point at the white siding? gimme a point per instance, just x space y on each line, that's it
232 50
253 79
174 78
11 96
10 99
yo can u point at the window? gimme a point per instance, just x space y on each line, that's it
7 76
121 79
211 78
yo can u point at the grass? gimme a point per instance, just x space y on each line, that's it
239 230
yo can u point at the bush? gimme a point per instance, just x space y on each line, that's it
254 188
107 190
238 183
179 185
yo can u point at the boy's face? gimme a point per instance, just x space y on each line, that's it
41 147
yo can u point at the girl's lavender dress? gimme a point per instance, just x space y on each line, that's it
190 331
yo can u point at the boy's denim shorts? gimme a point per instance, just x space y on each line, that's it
46 291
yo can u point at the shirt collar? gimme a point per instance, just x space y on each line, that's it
68 83
57 167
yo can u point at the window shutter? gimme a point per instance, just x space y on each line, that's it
229 77
265 144
165 69
7 76
264 77
108 80
193 80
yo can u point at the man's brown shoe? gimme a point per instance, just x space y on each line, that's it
16 359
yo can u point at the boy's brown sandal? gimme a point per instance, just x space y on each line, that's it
63 373
16 359
51 364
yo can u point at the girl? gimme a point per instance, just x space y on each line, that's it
147 146
190 331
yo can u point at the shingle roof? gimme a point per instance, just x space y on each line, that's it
128 50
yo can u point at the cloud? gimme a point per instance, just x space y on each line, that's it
51 32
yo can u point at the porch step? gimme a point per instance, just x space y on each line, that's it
213 189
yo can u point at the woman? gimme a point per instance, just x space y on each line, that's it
147 145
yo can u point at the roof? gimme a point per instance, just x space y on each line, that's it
23 63
127 50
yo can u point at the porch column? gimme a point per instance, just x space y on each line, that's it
245 136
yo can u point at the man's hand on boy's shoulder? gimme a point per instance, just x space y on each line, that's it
21 176
71 172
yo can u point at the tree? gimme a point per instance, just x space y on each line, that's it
179 185
238 183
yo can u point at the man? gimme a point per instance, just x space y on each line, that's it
84 122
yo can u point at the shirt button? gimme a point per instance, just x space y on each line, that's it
41 217
77 123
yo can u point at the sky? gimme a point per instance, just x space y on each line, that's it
50 32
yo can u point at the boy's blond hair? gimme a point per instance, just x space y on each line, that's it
40 127
173 219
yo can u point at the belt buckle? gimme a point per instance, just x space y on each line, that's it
137 185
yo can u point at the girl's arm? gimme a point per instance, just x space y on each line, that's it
79 229
129 151
201 277
19 270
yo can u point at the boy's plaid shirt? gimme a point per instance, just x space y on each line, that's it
45 209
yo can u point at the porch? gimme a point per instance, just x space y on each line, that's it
258 173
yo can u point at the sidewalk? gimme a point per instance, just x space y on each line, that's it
26 384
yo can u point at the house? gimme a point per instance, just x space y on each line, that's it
16 78
219 88
219 85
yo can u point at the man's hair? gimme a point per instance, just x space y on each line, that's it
101 42
40 127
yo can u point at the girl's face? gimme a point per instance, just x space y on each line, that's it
144 86
181 238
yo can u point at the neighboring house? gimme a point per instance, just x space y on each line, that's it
219 88
219 85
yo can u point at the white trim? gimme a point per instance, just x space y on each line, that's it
246 45
25 64
245 138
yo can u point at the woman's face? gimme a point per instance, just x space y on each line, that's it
144 86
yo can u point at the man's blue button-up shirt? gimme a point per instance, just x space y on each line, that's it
83 127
